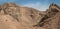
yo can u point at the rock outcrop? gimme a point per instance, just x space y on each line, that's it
51 18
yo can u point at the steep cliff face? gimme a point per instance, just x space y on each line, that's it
51 18
53 21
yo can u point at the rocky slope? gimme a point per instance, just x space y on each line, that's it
51 18
13 16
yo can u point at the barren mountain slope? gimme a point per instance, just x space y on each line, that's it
51 18
53 23
13 16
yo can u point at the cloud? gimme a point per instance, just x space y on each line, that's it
34 4
37 5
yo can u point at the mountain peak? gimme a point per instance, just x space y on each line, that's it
53 6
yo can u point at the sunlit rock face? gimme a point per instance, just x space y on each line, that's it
17 17
53 21
51 18
13 16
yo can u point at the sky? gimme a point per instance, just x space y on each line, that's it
41 5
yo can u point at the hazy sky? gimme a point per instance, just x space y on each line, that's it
37 4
